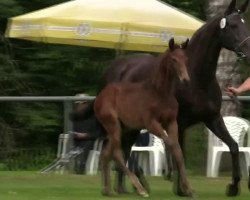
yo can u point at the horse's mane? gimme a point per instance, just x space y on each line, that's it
163 72
205 30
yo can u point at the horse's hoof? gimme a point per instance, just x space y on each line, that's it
179 192
107 193
121 191
144 183
232 190
168 177
144 194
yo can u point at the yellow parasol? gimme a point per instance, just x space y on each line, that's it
143 25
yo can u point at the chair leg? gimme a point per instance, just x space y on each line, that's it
247 158
92 162
156 163
216 158
152 163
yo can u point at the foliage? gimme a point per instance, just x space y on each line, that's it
26 159
193 7
35 69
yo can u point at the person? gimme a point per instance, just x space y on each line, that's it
85 132
244 87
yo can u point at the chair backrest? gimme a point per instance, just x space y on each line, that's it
155 141
237 127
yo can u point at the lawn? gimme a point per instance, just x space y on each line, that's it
36 186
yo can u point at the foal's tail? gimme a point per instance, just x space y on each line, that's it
84 114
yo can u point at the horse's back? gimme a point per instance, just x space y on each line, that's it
130 68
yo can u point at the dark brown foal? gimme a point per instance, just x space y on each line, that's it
151 105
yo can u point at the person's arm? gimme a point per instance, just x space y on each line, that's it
245 86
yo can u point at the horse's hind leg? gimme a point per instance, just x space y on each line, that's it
127 141
112 126
115 141
168 174
117 153
105 160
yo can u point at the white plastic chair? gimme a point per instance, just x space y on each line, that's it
92 163
238 129
154 153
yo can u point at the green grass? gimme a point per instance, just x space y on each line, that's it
36 186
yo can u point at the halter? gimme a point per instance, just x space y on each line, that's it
240 53
223 23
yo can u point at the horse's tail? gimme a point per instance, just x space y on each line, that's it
84 114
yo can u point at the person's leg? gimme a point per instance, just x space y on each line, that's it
87 145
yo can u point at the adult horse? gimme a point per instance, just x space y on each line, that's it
199 101
150 104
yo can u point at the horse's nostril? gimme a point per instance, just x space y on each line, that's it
241 55
186 81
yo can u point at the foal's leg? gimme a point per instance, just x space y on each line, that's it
168 175
105 161
118 156
112 126
218 127
184 186
171 140
127 141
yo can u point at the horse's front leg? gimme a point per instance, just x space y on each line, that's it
218 127
171 140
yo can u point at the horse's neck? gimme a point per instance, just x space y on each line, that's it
203 52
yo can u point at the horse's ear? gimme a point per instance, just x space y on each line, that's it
185 44
231 7
171 44
244 6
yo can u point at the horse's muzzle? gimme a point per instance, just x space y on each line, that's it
185 81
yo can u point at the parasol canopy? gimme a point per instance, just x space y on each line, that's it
142 25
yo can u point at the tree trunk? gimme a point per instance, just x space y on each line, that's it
228 68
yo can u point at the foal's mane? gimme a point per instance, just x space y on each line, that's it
164 73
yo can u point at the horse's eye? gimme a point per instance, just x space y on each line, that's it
174 60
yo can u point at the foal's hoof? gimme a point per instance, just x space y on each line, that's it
168 177
232 190
180 192
121 190
144 194
144 183
107 193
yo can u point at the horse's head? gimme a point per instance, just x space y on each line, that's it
234 34
178 59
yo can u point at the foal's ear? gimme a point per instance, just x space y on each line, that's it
185 44
244 6
171 44
231 7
